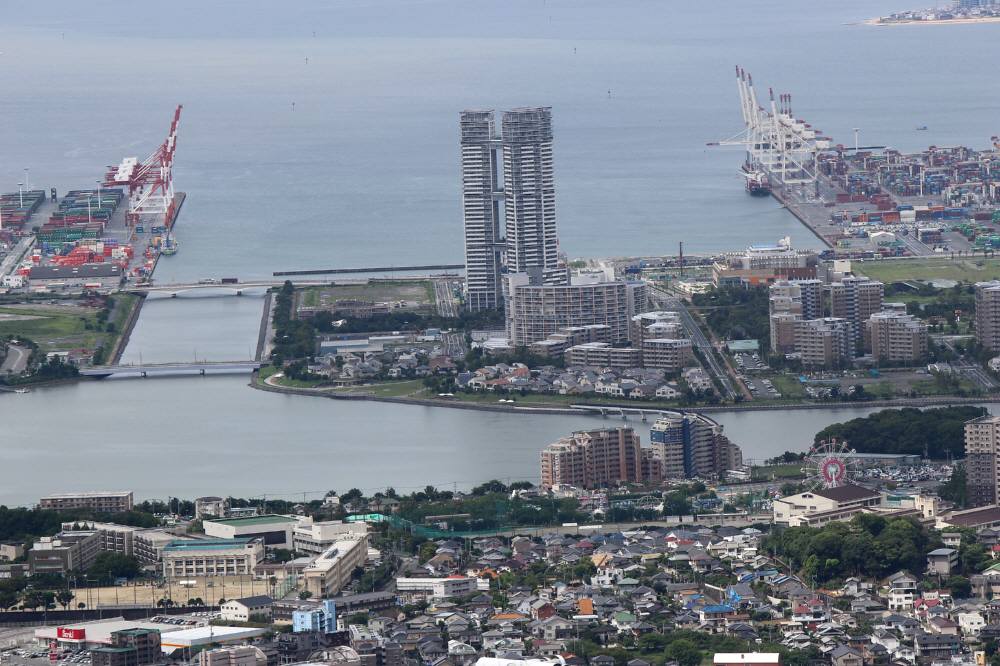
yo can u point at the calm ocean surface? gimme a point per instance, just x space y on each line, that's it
364 171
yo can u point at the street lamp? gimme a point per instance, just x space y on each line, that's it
100 203
856 130
20 195
89 221
27 181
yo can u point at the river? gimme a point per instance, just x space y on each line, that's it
324 133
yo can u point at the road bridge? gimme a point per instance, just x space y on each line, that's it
167 369
236 288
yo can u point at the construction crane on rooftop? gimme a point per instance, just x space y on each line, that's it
150 183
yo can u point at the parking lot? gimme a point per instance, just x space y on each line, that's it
37 656
748 364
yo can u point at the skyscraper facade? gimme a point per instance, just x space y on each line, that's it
526 242
530 196
481 210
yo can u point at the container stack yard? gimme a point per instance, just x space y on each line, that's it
126 223
16 210
867 202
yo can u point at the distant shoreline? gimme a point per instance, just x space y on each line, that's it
955 21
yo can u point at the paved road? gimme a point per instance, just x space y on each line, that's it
970 369
444 296
454 345
669 302
16 360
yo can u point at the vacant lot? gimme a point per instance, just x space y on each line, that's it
52 328
967 269
65 326
414 292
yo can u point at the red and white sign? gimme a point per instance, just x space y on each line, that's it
65 633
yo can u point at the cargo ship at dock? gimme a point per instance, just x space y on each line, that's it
757 182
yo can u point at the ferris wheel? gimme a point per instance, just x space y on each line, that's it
830 464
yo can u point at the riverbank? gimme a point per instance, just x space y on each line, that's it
617 409
125 331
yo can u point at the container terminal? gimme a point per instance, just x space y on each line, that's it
869 201
107 236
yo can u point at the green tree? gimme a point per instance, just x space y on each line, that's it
109 566
427 551
960 587
64 597
684 651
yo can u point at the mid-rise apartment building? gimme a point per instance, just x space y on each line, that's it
555 345
988 315
593 458
803 297
536 312
982 474
656 324
896 337
691 445
824 343
669 355
856 299
604 355
101 501
783 332
212 557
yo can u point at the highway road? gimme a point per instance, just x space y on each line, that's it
667 301
444 295
454 344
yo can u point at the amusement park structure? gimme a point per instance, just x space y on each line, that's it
780 148
830 464
150 183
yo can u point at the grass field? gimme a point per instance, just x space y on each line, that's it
410 388
53 328
961 270
787 471
788 386
64 327
421 292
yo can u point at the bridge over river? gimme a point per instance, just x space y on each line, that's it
168 369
